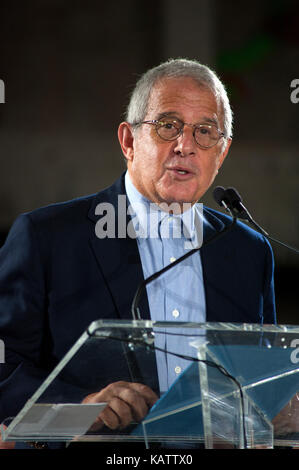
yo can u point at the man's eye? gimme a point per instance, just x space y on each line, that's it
171 125
204 130
168 125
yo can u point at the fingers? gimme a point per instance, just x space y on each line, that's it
6 444
117 414
126 402
286 421
148 394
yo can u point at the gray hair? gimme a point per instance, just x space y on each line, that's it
174 68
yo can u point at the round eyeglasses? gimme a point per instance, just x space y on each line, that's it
205 135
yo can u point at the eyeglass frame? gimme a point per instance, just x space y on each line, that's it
195 126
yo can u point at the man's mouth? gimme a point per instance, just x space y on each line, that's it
181 170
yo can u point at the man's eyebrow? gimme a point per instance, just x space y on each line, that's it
167 114
209 120
204 119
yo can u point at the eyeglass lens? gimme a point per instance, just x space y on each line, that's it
205 135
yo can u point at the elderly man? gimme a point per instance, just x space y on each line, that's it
59 272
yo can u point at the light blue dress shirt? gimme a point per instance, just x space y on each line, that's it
177 295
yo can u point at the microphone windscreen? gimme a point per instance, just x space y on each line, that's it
232 195
218 194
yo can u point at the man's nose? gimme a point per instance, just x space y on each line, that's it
185 142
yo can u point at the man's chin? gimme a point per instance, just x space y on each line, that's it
176 204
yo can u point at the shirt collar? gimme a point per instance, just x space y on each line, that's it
150 215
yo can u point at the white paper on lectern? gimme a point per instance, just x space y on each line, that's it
61 419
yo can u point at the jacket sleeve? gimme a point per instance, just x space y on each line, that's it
269 314
24 321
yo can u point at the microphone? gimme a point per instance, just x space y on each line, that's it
220 197
231 200
235 200
135 304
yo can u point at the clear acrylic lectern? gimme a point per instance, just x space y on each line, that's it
238 386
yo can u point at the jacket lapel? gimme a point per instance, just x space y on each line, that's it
120 264
217 258
118 258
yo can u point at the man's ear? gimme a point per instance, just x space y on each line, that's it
126 140
224 153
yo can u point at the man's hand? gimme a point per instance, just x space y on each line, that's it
287 420
126 402
6 444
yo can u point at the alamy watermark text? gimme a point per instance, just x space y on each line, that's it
145 221
2 91
2 352
295 92
295 353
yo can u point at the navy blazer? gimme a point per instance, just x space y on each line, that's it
57 276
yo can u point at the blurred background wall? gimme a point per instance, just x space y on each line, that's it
69 67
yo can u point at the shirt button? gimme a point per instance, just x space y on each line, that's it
177 369
175 313
172 259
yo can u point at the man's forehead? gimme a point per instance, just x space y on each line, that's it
179 84
171 92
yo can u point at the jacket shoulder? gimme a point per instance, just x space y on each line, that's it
241 228
76 207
